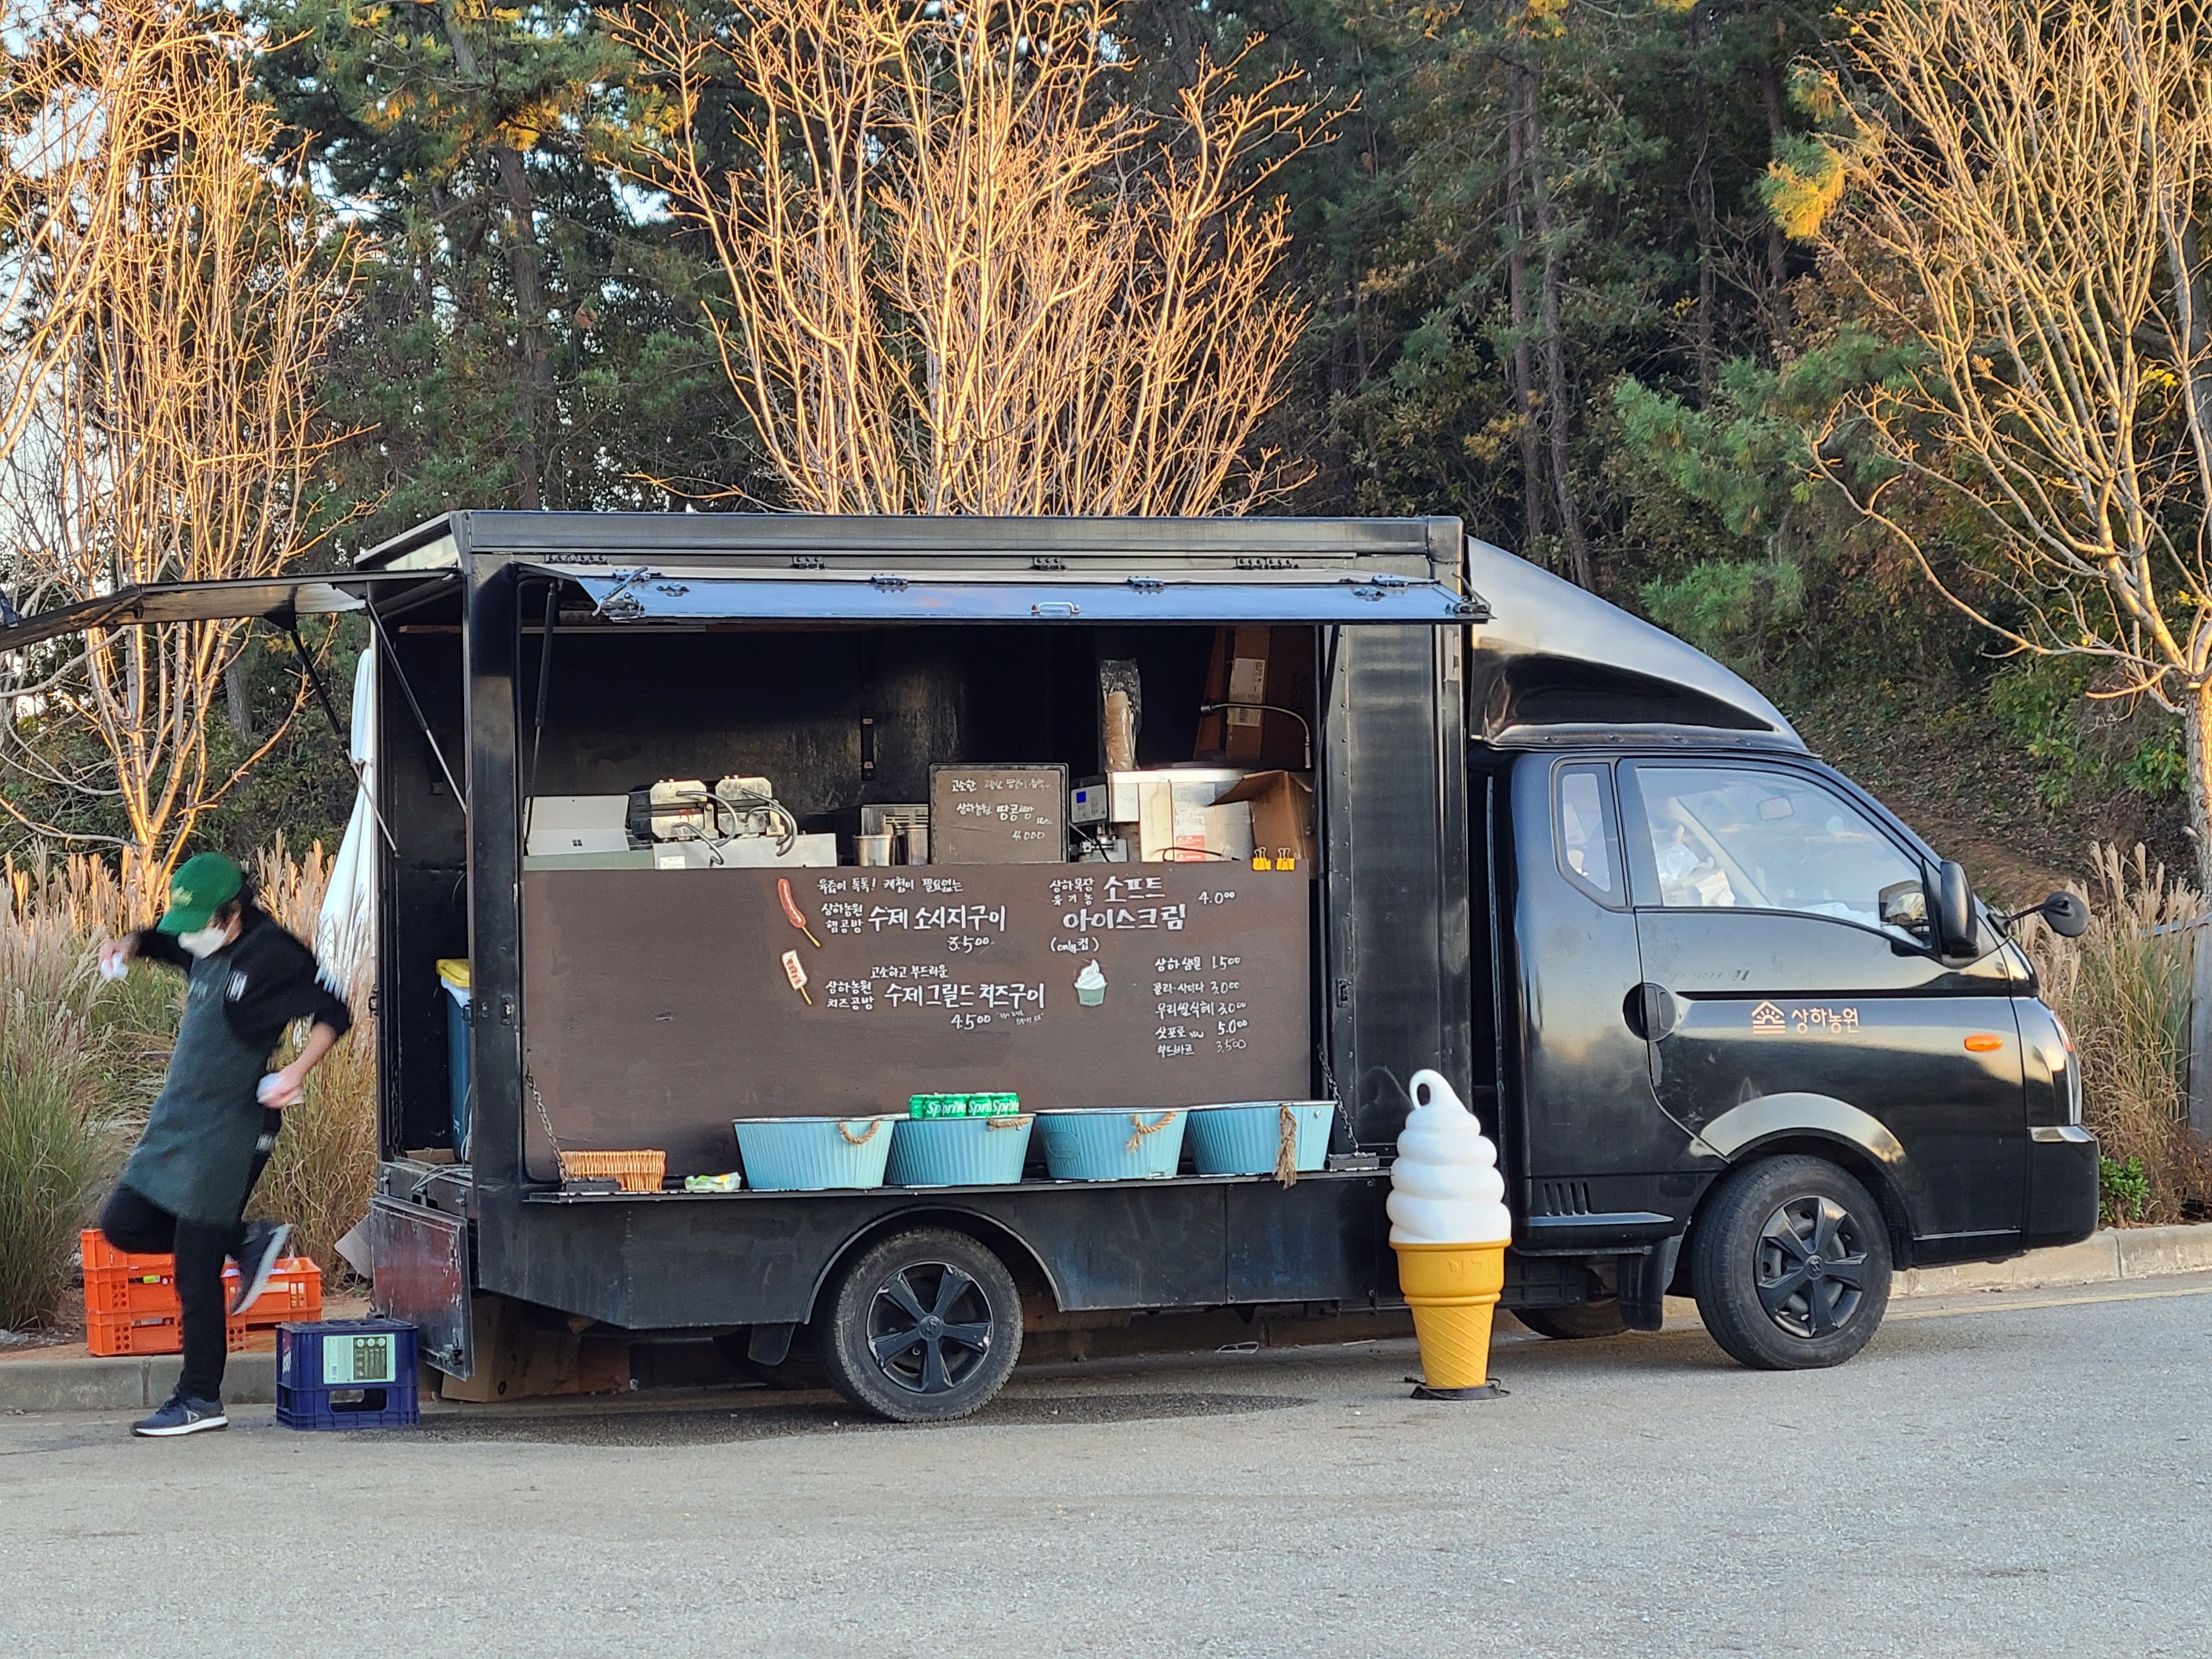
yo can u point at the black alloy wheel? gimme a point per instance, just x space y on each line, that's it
924 1327
1578 1322
1791 1264
1812 1266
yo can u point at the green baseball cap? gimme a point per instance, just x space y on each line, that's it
202 885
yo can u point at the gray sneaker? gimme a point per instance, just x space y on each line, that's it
182 1416
257 1258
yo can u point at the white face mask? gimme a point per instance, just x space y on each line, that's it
205 941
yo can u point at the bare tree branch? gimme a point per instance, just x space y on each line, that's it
963 277
2029 183
164 424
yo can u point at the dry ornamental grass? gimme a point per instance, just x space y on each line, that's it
2123 989
81 1060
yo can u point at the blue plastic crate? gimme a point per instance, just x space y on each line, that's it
347 1374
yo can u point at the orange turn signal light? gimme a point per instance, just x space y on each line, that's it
1983 1043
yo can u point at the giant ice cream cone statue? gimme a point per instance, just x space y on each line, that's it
1449 1227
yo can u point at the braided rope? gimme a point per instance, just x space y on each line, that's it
1142 1128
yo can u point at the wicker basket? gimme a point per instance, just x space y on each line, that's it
639 1172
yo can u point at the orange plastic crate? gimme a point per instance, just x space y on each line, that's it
294 1291
129 1289
92 1245
111 1334
127 1298
134 1333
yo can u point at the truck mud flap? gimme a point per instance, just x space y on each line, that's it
1643 1282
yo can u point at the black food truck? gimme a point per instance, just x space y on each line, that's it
732 821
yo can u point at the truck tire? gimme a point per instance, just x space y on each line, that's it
922 1327
1576 1322
1791 1265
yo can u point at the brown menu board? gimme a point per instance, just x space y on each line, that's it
659 1005
1011 814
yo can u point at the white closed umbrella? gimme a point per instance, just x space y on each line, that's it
345 932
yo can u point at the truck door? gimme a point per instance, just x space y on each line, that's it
1769 972
1596 1147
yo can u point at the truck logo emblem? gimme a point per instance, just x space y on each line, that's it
1767 1017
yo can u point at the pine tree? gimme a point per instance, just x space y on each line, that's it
529 337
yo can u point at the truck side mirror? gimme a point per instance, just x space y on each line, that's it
1905 907
2068 914
1955 912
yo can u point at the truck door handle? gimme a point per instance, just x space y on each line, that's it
1650 1011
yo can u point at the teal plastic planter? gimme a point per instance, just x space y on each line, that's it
814 1154
1244 1138
958 1151
1111 1144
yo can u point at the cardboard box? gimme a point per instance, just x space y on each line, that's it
1226 834
1196 786
521 1355
1282 817
1178 818
1257 665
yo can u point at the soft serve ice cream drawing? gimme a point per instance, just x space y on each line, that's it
1090 986
1449 1226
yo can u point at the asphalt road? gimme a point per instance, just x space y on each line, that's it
2020 1475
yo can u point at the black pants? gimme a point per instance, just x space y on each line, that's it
135 1222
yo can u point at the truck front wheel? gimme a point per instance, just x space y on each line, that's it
922 1327
1791 1265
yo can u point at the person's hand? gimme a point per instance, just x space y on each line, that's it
284 1088
116 953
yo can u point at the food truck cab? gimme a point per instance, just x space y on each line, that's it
754 838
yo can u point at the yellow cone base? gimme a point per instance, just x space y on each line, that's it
1453 1290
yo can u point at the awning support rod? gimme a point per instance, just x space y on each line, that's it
392 656
344 736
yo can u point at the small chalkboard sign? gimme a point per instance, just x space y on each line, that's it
1008 814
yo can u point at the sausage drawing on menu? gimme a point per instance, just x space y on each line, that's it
792 913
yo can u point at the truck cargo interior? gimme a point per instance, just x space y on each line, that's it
819 745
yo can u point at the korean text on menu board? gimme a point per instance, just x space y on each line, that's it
1196 994
999 815
923 914
925 946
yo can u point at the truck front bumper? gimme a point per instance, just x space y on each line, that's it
2062 1185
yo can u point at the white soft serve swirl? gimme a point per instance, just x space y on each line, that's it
1445 1187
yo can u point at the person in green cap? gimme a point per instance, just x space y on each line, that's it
184 1190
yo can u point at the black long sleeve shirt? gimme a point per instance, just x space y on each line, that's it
274 980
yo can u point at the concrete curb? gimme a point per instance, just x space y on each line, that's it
88 1385
2103 1258
85 1384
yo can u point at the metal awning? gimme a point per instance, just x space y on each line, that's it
280 599
676 592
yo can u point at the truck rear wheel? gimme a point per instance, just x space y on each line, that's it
922 1327
1575 1322
1791 1265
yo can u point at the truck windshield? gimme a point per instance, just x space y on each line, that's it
1744 837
